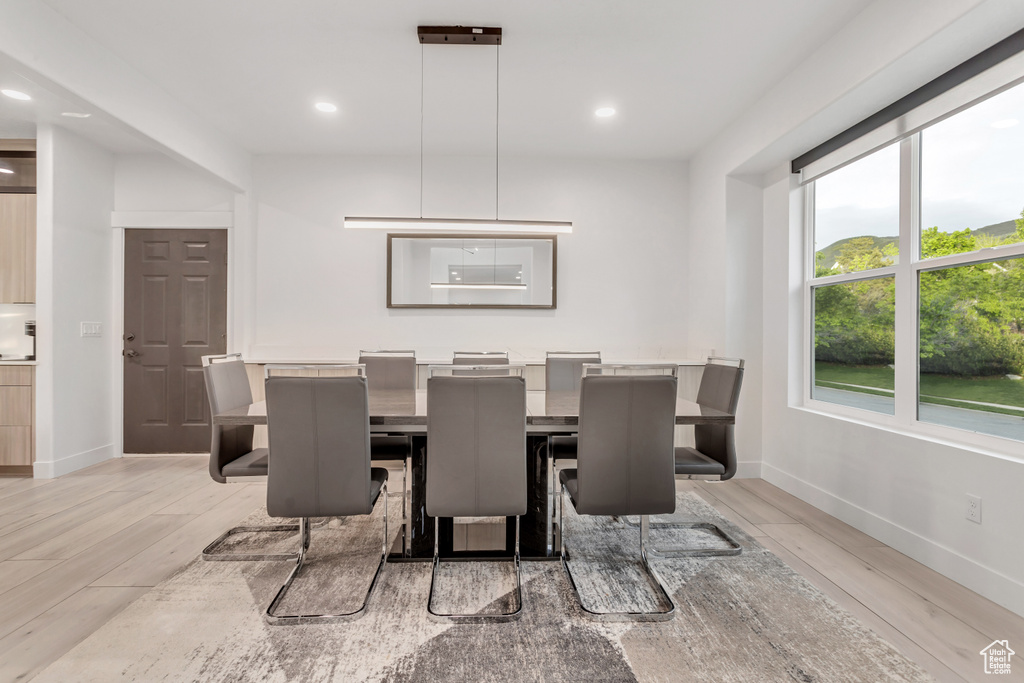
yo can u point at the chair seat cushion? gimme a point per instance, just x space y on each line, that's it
252 464
571 483
564 447
384 447
691 461
378 475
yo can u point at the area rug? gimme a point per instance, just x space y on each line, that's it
741 618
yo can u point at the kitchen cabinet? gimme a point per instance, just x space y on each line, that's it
17 413
17 248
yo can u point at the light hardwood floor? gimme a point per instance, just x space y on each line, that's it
75 551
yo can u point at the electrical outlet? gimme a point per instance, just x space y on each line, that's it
974 508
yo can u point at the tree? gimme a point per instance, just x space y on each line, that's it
935 243
860 253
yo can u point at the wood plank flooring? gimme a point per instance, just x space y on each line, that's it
931 619
76 550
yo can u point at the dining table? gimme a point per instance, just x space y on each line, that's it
548 413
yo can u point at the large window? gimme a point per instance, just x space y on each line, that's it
856 236
953 196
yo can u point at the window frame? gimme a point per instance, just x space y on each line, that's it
906 273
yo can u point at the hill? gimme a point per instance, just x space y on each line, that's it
995 231
832 251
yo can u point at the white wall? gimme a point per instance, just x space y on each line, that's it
320 289
74 389
906 489
743 289
154 182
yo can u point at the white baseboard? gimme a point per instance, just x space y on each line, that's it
997 587
49 469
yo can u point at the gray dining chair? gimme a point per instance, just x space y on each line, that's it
319 429
476 459
563 371
383 447
389 370
626 433
231 451
393 371
714 454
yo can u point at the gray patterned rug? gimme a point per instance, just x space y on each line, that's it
741 618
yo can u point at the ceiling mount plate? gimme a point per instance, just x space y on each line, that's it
459 35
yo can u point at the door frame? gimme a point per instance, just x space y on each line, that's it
162 220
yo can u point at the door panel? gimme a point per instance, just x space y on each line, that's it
175 313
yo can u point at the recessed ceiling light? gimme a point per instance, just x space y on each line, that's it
5 170
1005 123
327 107
75 114
605 112
16 94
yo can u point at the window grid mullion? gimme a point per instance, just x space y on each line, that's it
809 271
905 351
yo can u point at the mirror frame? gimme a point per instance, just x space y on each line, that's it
480 235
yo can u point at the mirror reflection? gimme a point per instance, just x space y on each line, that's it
471 271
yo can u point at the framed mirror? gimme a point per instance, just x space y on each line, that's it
472 271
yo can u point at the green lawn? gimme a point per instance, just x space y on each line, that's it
940 389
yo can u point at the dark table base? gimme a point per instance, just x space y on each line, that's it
533 526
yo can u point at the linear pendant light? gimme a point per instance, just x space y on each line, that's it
457 224
459 35
456 285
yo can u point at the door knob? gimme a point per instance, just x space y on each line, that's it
132 353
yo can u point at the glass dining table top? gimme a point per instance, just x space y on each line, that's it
396 408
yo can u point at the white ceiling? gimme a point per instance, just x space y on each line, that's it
677 71
19 119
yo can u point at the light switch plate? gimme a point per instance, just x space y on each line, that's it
92 329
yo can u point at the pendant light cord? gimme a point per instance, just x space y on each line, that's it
497 101
421 128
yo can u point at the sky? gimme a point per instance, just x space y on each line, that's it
972 175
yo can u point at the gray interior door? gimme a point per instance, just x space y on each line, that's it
175 312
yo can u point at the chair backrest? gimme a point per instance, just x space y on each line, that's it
626 461
719 389
219 358
609 369
476 446
563 370
319 430
484 359
386 370
227 388
480 358
314 370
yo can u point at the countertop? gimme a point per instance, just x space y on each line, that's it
15 361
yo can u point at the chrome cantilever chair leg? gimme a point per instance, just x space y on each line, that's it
734 548
475 618
664 615
292 619
210 554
